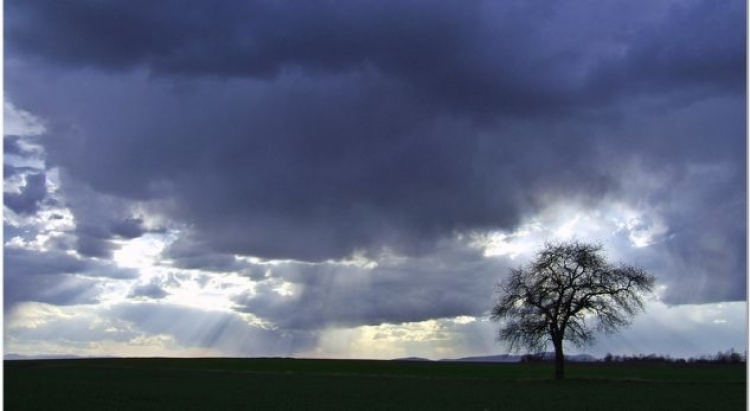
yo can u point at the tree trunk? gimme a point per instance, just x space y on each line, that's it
559 359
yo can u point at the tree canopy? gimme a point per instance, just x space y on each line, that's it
567 293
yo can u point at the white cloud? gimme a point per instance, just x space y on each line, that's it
20 122
141 253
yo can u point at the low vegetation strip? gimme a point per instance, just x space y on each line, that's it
338 384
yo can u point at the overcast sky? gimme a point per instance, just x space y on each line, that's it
350 179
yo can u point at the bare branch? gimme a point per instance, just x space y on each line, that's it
567 293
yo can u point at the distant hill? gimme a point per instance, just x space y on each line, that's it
517 358
502 358
412 359
487 358
581 358
15 357
39 357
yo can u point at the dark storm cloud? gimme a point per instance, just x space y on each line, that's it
305 168
224 331
32 193
19 156
93 242
58 290
128 228
96 240
702 256
54 277
698 47
45 277
230 37
483 55
29 262
189 253
452 282
312 132
25 262
10 171
100 220
152 290
12 145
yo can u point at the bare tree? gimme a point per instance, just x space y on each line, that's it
566 293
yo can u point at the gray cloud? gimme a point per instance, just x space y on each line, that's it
30 262
96 240
55 277
151 290
101 219
482 54
284 173
703 257
190 253
32 193
224 331
12 145
454 281
315 132
11 171
128 228
61 289
668 57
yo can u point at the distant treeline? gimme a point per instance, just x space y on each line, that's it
726 357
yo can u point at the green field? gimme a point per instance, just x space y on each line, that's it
289 384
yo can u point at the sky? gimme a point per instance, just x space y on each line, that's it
351 179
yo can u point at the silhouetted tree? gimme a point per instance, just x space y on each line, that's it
566 293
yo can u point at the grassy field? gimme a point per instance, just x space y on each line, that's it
288 384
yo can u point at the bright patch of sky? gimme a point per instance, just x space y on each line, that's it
568 222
